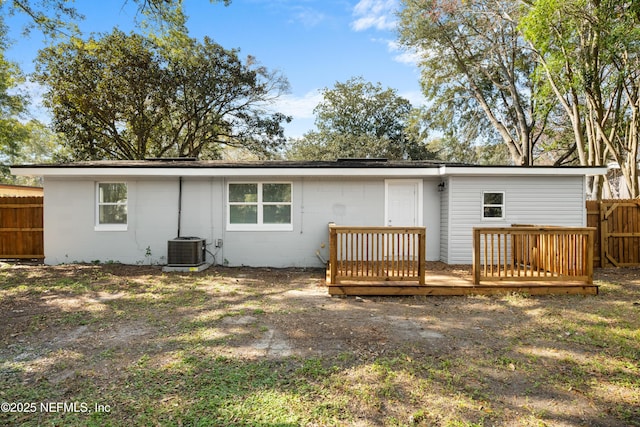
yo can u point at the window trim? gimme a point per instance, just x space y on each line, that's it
259 226
502 206
110 227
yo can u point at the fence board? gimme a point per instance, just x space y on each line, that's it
617 241
21 228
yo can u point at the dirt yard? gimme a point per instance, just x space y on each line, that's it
106 334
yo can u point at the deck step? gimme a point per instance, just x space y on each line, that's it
438 290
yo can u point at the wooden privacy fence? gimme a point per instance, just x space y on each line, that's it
21 228
618 232
529 253
376 254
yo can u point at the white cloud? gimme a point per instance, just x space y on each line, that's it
416 98
308 17
35 92
378 14
408 57
404 55
298 107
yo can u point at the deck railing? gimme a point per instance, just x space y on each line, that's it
531 253
376 254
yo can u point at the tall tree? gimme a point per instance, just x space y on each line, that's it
588 53
21 140
105 95
34 143
13 105
221 101
459 150
56 18
24 139
127 97
476 70
359 119
52 17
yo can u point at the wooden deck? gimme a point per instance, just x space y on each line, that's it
443 280
536 260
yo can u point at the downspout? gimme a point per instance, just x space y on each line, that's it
179 204
301 204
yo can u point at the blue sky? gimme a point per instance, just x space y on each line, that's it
314 43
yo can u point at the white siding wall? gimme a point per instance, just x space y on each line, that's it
153 220
201 209
545 200
315 204
69 222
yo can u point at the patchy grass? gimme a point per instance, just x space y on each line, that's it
117 345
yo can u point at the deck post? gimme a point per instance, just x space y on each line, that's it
422 248
590 247
476 256
333 254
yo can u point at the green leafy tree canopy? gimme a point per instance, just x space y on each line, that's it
476 71
125 96
358 119
26 140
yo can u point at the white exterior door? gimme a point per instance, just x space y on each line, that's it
403 203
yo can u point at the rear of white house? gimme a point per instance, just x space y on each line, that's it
500 201
277 213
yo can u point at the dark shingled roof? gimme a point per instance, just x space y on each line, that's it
190 163
221 164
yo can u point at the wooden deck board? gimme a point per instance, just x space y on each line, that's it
442 283
387 290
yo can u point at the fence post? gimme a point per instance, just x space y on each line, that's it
603 233
333 254
476 256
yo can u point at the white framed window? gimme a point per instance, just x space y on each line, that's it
111 206
259 206
493 205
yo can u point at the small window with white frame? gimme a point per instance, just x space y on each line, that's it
493 205
111 209
259 206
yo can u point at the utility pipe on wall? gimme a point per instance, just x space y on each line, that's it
179 204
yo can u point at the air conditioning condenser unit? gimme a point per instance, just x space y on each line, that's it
186 252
